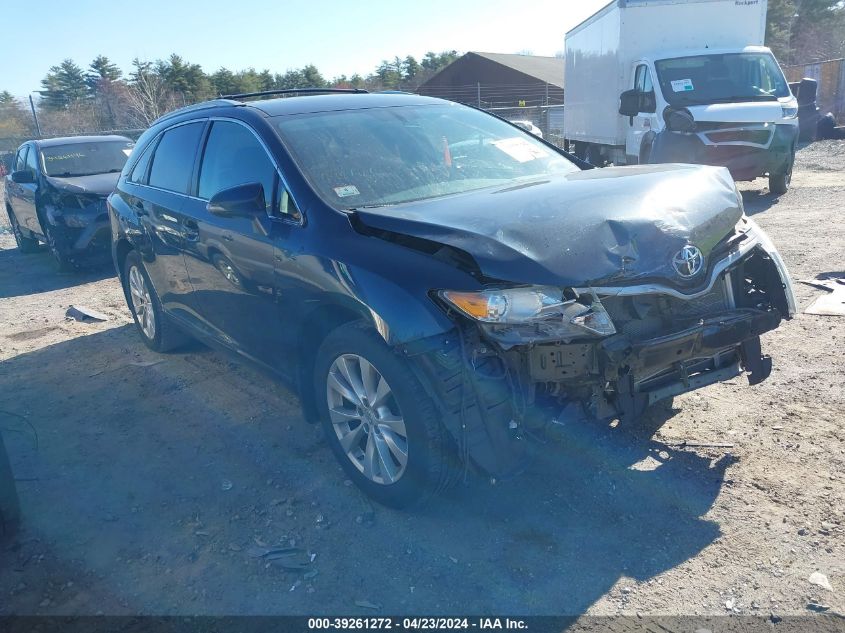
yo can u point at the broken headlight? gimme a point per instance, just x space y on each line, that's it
763 240
541 305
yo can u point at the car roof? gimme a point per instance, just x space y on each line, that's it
342 101
69 140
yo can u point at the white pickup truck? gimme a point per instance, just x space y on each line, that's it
659 81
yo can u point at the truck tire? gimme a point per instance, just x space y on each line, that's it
779 183
9 504
26 244
594 156
379 420
645 153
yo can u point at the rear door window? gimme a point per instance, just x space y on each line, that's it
173 161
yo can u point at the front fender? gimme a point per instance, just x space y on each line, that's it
400 314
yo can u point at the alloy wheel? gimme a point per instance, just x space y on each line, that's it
366 419
142 302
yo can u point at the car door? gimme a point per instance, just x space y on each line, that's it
231 261
159 198
22 195
645 121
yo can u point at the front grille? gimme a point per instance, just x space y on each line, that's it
642 317
756 137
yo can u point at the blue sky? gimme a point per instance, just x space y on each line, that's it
339 37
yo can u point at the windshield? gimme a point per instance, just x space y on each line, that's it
721 78
384 156
85 159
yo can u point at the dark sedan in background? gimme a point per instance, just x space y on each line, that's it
56 194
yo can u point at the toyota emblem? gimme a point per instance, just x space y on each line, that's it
689 261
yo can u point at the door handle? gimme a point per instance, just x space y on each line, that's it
227 236
190 230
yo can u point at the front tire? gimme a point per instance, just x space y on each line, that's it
57 250
779 183
378 419
154 326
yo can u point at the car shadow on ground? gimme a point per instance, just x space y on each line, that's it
167 470
31 273
758 200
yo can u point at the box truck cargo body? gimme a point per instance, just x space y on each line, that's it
679 81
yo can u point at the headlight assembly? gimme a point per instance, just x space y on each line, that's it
789 109
540 305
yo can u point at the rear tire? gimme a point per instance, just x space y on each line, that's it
364 402
594 156
25 244
157 330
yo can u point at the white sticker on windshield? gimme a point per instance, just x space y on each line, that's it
346 190
127 151
521 149
682 85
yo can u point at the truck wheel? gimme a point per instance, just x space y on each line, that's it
25 244
645 153
156 329
594 156
378 419
9 505
779 183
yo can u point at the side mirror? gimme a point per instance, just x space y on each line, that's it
242 201
629 103
23 177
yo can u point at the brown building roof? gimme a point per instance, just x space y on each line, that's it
532 67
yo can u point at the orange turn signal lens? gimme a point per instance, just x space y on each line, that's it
473 304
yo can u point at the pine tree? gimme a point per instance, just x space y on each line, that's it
64 84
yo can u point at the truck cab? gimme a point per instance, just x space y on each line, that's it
730 108
680 81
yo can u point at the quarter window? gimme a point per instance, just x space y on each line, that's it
139 171
173 160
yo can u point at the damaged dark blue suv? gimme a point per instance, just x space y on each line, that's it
437 284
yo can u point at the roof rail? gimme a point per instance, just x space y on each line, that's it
266 93
200 106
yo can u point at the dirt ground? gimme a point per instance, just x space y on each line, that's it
149 484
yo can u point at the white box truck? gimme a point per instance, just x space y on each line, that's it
657 81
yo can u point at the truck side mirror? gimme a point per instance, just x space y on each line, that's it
629 103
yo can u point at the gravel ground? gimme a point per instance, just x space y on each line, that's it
149 483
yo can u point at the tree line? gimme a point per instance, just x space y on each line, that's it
100 96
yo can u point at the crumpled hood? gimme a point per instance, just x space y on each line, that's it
98 184
586 228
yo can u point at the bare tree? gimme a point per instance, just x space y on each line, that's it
148 97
